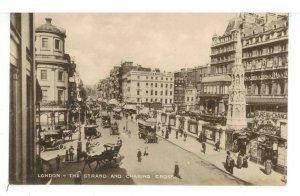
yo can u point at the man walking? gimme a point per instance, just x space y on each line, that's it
176 170
71 153
57 159
203 147
139 155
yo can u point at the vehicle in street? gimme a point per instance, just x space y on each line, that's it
114 130
53 140
106 120
147 130
91 131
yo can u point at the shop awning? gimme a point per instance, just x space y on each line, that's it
266 100
129 107
113 102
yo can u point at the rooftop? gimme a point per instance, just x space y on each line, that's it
49 28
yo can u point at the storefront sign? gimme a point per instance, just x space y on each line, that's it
172 121
193 128
265 115
210 134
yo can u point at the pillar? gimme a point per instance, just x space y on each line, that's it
222 139
186 123
221 106
200 123
167 119
158 117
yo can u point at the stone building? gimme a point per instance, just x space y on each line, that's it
22 126
54 68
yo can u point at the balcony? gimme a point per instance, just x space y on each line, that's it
54 104
267 99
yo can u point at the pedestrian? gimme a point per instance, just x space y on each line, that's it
119 142
227 161
57 159
231 162
139 155
217 145
239 161
78 178
176 134
146 151
268 166
245 161
203 147
71 153
162 132
167 134
185 136
67 155
176 170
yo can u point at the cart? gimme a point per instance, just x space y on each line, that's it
147 130
91 131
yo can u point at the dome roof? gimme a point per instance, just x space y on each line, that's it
49 28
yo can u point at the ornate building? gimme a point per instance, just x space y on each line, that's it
53 70
236 117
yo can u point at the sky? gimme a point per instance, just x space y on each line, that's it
169 41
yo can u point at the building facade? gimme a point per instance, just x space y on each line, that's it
190 97
53 70
148 87
180 81
22 136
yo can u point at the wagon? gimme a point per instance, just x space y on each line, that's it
147 130
91 131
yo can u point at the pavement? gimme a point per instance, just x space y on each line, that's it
253 174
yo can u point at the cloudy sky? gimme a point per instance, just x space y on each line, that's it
166 41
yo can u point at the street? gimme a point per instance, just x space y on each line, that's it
156 168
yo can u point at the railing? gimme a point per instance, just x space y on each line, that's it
54 103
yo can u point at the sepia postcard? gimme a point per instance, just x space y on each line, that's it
148 98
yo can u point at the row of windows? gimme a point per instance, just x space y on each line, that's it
156 78
266 50
60 77
57 44
189 98
263 38
154 100
266 89
266 62
215 89
155 92
60 96
155 85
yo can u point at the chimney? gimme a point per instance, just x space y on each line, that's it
48 20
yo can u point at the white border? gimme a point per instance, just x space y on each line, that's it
154 6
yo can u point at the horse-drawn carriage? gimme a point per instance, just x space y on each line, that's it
147 130
91 131
52 140
106 120
108 158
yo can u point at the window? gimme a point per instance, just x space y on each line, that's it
161 85
151 100
138 77
44 42
167 78
146 84
155 78
166 92
161 92
155 84
151 78
138 92
138 100
138 84
151 92
147 77
146 92
151 84
271 49
43 74
60 98
60 76
155 92
162 78
44 98
188 98
166 100
170 100
170 92
146 99
57 44
171 85
166 85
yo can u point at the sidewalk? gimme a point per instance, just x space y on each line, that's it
253 174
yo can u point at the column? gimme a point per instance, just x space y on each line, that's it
221 106
158 117
200 123
222 139
186 123
167 119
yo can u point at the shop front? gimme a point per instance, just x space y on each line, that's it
193 127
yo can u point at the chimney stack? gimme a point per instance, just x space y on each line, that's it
48 20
